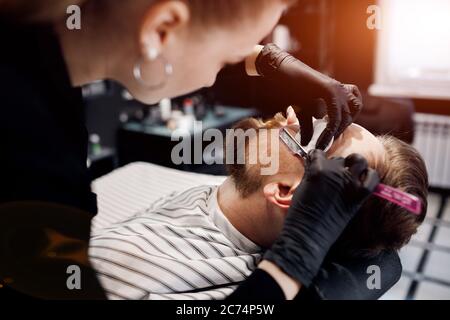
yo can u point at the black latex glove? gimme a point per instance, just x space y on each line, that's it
328 197
300 85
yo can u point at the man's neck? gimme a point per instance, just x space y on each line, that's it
239 211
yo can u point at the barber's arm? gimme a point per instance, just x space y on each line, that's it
329 195
337 279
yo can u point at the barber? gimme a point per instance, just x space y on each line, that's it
163 49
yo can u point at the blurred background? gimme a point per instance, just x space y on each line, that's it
396 51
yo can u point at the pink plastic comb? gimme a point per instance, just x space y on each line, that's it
400 198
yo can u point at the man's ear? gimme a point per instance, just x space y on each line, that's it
279 194
159 23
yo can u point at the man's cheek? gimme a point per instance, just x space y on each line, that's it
280 223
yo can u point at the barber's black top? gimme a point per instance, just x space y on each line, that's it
43 139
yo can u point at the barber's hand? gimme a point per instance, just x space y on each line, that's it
328 197
300 85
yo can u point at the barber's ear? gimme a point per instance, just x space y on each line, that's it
160 21
279 194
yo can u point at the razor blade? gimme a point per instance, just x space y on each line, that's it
293 145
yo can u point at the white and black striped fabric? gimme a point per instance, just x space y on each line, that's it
180 247
134 187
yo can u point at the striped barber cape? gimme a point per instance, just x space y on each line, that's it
182 247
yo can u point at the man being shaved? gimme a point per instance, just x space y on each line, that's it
202 242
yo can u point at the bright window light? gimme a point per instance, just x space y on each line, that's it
413 49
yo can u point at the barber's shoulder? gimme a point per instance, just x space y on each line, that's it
17 88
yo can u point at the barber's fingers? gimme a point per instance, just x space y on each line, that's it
355 99
316 158
352 109
347 120
371 180
357 165
335 107
351 88
348 101
365 178
318 163
355 106
307 128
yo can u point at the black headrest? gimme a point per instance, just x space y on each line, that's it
359 278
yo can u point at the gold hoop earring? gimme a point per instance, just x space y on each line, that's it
154 57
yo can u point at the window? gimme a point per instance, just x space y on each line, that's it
413 49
